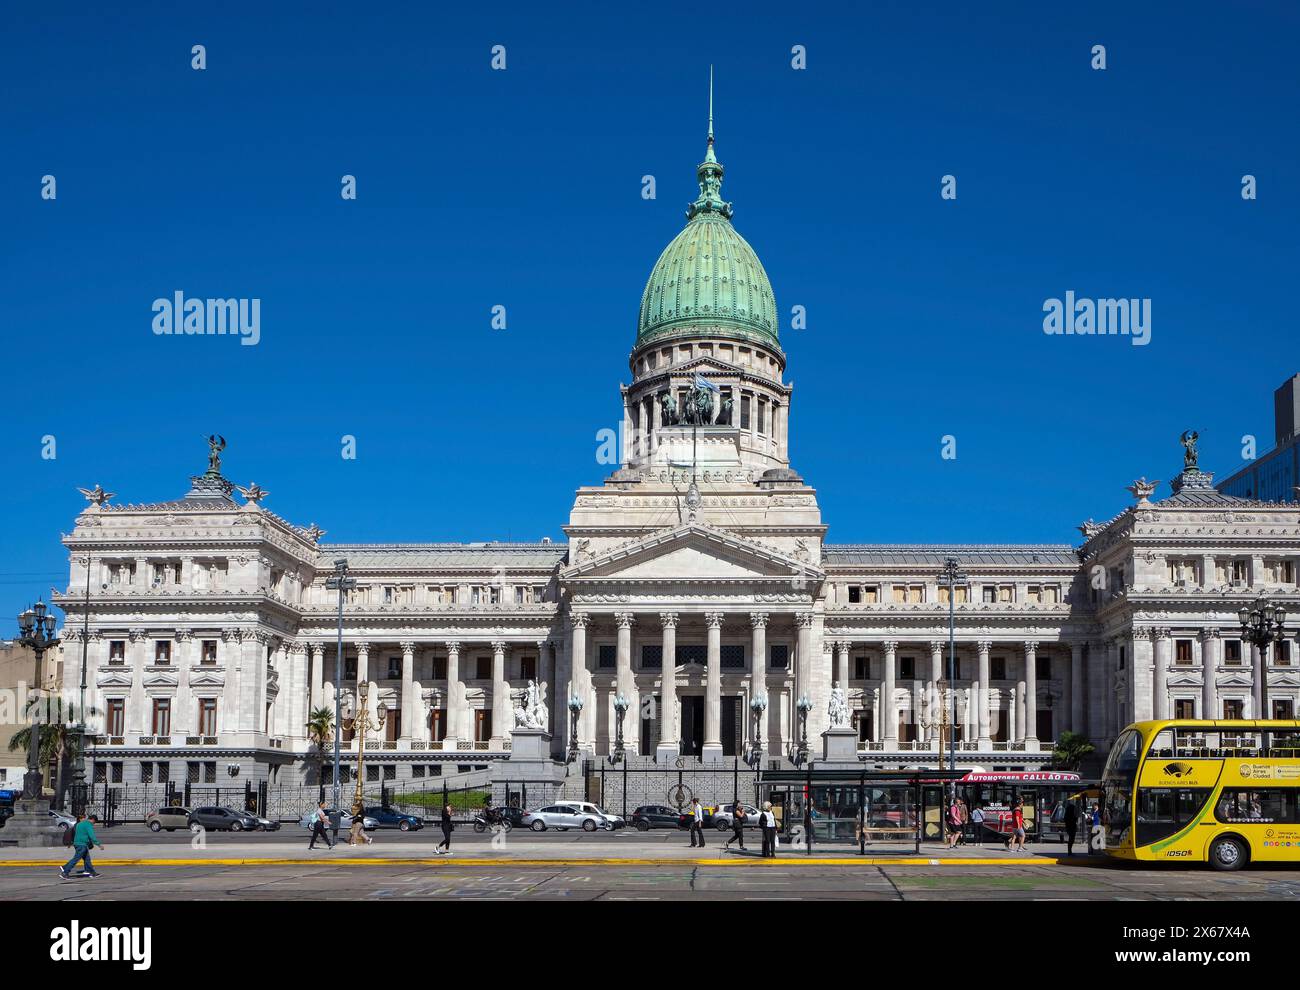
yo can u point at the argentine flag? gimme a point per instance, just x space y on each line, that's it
702 382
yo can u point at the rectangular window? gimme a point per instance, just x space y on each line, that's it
861 669
1043 667
117 651
1233 709
207 716
350 668
961 594
762 415
146 773
210 772
1184 708
990 593
907 668
1282 653
208 651
652 657
855 594
483 668
482 725
393 725
162 716
997 668
193 773
528 668
117 773
744 412
390 771
732 656
162 651
394 668
1283 708
372 773
1232 651
1123 657
101 773
417 770
1182 651
438 724
607 656
164 773
115 717
439 668
779 656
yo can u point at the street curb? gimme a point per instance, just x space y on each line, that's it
505 862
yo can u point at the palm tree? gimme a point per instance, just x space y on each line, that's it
58 743
320 733
1071 748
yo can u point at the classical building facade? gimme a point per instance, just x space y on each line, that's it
695 588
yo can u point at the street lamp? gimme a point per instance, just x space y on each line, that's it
940 721
951 575
575 709
1262 624
361 726
621 705
341 583
804 706
30 822
758 705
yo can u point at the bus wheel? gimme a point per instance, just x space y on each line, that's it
1227 854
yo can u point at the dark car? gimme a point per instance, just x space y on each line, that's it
513 815
391 818
650 816
221 819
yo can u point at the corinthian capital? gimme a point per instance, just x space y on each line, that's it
580 620
668 620
758 619
714 620
803 620
624 620
1030 649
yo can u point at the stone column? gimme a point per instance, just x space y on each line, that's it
1015 722
409 707
758 671
669 739
136 716
1257 675
455 697
842 650
712 749
500 696
982 696
1031 697
363 677
625 684
1078 692
317 654
1209 670
1160 685
183 720
887 714
579 673
804 622
252 680
938 669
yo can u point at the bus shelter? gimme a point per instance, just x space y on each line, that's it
842 805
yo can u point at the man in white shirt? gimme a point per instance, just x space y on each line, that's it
697 823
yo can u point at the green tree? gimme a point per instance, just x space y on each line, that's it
320 733
58 743
1071 748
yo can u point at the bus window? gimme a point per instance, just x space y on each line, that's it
1163 744
1162 811
1284 743
1275 805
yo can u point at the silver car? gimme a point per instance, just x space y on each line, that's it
345 821
723 818
564 817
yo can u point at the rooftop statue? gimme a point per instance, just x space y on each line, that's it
1189 439
216 444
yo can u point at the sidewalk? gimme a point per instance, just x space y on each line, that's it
530 851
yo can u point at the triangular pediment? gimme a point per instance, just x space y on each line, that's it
115 678
693 552
208 678
1236 679
160 680
1184 679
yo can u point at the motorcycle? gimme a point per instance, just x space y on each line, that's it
492 818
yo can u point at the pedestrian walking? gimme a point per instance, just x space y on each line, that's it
954 823
358 833
83 840
1071 826
1095 819
977 824
697 823
318 820
443 848
737 826
1017 826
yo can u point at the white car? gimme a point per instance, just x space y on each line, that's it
345 821
615 821
723 819
565 817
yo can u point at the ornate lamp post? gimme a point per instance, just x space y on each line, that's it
341 583
575 709
952 575
804 706
36 629
1261 624
757 705
940 719
621 705
361 726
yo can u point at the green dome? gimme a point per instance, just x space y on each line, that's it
708 275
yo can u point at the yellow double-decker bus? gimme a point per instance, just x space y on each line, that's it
1190 790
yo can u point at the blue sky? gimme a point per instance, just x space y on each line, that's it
522 188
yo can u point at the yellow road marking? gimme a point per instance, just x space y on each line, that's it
505 862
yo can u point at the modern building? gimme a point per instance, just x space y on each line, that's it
694 583
1275 475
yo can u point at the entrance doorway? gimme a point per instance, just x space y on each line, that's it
692 725
732 730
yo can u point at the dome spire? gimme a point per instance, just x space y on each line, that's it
709 174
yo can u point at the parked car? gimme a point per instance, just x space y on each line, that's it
345 823
564 817
62 819
723 818
650 816
169 818
221 819
515 816
391 818
586 807
266 824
